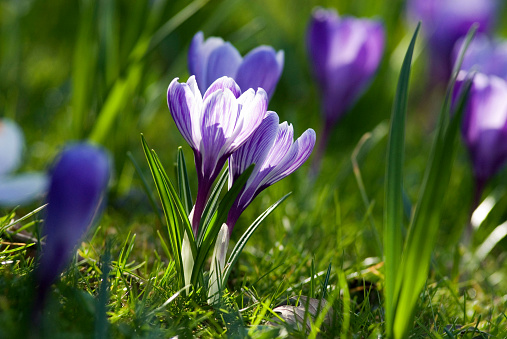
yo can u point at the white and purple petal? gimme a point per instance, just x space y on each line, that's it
185 104
255 149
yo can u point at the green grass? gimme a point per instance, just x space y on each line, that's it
100 70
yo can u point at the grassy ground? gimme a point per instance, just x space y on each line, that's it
67 68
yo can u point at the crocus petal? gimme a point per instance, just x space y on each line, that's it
11 146
198 55
484 55
444 22
184 101
255 149
299 152
77 183
219 116
22 189
221 84
262 68
484 125
253 110
213 58
223 61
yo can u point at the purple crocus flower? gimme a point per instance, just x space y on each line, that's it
275 154
78 181
22 188
444 22
213 58
484 126
345 53
215 126
484 55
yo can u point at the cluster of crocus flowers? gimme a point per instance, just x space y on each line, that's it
78 181
444 22
213 58
226 124
16 189
214 125
345 54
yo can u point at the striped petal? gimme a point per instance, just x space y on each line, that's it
184 101
255 149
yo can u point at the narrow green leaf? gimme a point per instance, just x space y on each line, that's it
423 229
211 206
219 218
185 193
393 212
177 204
236 251
175 238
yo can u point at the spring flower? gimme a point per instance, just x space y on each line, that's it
16 189
215 126
484 55
275 154
444 22
213 58
77 185
484 126
345 54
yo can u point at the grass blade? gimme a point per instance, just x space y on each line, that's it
236 251
185 193
393 212
423 229
211 206
218 219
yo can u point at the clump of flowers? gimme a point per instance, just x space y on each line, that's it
224 124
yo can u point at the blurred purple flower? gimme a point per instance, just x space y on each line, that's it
444 22
77 185
484 126
275 154
484 55
215 126
16 189
345 53
213 58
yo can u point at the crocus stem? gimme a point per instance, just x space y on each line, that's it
321 149
200 202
